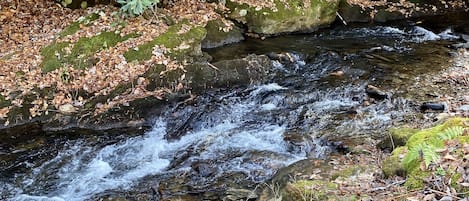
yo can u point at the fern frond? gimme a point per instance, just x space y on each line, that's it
420 152
451 133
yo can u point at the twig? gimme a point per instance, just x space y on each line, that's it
387 186
443 193
392 141
341 18
214 67
403 195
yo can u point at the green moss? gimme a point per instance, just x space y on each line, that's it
463 139
393 164
56 57
397 137
170 39
75 26
53 56
216 36
455 177
3 102
415 179
290 16
430 136
85 47
310 190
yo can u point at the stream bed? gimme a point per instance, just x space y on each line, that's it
227 142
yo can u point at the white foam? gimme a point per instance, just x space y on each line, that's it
448 34
268 106
90 171
266 88
422 35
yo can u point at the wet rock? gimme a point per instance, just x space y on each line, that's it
376 93
204 169
397 137
284 57
233 194
337 73
393 165
219 34
432 106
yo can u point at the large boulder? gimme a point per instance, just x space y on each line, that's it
377 11
286 17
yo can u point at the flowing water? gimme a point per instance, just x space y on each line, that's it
239 138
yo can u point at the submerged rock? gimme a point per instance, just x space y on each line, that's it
432 106
375 92
218 34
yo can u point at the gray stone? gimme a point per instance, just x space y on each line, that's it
464 108
287 16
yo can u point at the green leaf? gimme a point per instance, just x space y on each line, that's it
451 133
420 152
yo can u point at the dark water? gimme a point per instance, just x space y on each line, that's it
238 138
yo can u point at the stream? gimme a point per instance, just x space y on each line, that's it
228 139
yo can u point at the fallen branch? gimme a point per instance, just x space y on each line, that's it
387 186
341 18
214 67
443 193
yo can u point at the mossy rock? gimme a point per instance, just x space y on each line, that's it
428 138
200 75
175 37
289 16
431 136
310 190
397 137
81 54
216 37
353 13
393 164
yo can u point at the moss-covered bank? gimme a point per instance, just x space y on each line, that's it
430 153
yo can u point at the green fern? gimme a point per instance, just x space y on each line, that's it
420 152
136 7
451 133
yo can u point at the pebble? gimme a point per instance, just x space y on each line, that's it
464 108
432 106
67 109
376 92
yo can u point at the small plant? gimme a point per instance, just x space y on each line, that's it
451 133
136 7
420 152
440 171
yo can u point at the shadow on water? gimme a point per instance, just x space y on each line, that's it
227 140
